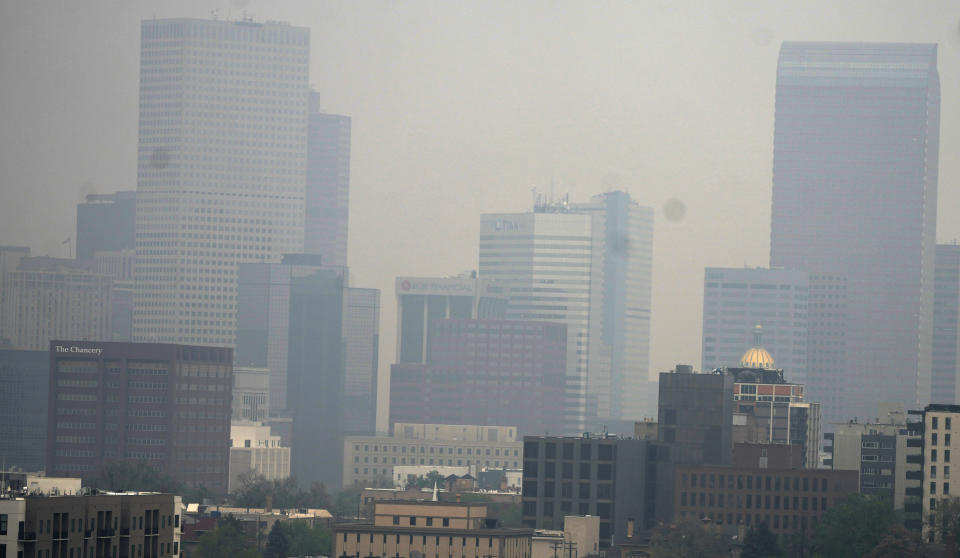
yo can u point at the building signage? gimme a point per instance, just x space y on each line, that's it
413 285
60 349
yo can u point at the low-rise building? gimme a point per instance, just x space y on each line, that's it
255 451
887 455
579 538
115 524
763 485
936 432
370 460
431 529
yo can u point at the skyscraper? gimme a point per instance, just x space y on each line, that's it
588 266
856 146
946 325
738 300
319 339
328 184
222 168
105 223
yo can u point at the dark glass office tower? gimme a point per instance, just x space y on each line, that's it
856 145
946 319
327 199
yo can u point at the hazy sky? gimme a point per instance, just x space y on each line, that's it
461 108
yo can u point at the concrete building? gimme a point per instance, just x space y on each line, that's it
319 338
21 484
368 460
855 165
255 451
168 405
695 416
106 223
504 373
227 188
119 265
740 496
736 301
612 478
119 524
25 377
423 300
567 262
936 431
327 200
946 325
886 454
51 298
431 529
251 394
580 537
775 410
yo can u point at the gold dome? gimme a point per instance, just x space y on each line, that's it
757 357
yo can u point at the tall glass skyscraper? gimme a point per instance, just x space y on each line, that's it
856 146
588 266
328 184
221 171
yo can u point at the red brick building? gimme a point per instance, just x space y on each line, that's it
488 372
168 405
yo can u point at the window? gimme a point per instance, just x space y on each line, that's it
413 521
946 456
933 422
396 520
446 521
947 422
3 525
933 456
429 522
946 489
933 488
933 438
946 439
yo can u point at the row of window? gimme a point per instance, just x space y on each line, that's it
749 501
713 480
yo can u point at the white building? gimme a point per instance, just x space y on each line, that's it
222 168
588 266
369 460
251 393
737 300
255 451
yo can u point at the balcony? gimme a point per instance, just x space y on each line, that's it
60 535
27 536
914 442
125 532
913 491
915 475
912 507
105 533
915 459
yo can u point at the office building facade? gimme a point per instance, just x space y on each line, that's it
251 394
946 325
608 477
695 416
50 298
885 452
254 451
168 405
856 147
936 430
327 198
221 170
25 377
421 300
121 524
505 373
106 223
368 460
736 301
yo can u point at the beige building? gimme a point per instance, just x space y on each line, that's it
370 459
48 298
431 529
941 425
121 524
251 393
254 450
580 537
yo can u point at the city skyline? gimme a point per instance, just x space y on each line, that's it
747 50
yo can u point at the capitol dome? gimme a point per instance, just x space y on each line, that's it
757 357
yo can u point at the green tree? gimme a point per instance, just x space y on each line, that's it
278 546
688 538
117 476
226 541
346 504
853 527
899 542
428 481
255 490
760 542
306 540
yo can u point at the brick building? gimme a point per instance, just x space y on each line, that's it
168 405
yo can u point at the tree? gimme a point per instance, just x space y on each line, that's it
277 544
899 542
431 479
346 504
760 543
138 476
306 540
687 538
853 527
255 489
226 541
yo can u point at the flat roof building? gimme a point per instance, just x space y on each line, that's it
25 377
168 405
